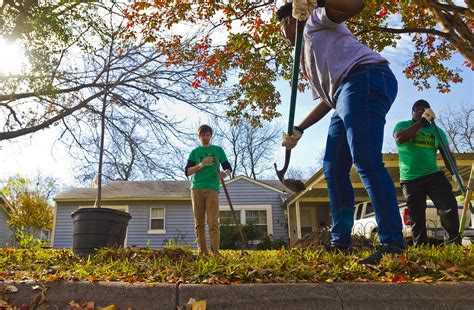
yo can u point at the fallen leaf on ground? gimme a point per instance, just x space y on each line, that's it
402 259
3 304
398 279
110 307
196 305
425 279
5 289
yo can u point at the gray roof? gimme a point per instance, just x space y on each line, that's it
276 184
5 205
131 189
142 190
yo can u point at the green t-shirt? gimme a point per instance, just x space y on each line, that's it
207 177
418 156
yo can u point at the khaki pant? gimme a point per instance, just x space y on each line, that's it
206 201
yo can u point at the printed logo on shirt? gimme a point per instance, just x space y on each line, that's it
425 140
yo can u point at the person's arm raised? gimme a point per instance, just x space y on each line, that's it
315 115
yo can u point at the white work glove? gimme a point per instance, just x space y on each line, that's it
302 8
428 115
290 141
223 174
208 160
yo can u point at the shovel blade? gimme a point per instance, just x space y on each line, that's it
292 184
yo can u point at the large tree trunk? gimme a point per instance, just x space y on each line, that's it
457 31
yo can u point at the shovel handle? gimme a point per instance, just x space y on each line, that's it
295 75
237 224
444 149
467 201
294 91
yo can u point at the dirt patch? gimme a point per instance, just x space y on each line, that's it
322 238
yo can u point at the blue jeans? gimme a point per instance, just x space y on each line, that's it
356 136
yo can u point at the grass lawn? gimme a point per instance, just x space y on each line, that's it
179 264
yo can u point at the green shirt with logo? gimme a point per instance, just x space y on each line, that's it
418 156
207 177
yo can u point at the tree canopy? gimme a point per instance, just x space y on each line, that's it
148 55
32 211
251 57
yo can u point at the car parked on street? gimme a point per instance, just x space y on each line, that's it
365 224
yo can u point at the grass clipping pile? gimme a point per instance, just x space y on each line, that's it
321 239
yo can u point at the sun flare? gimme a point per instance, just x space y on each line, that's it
11 57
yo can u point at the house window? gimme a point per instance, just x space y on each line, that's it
227 219
257 218
306 222
157 221
369 209
258 215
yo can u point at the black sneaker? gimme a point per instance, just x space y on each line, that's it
456 240
376 257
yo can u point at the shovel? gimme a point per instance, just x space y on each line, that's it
292 184
444 149
467 201
237 224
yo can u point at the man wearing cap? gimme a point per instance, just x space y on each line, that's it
420 175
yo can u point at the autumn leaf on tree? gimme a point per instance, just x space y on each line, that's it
241 47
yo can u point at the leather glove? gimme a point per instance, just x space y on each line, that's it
427 117
301 11
290 141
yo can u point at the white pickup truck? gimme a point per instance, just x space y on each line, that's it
365 224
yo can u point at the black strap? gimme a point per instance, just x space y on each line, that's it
321 3
299 129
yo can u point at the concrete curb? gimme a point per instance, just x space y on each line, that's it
441 295
124 295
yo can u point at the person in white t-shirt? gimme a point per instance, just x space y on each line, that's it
357 83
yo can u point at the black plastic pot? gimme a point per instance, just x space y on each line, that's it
97 228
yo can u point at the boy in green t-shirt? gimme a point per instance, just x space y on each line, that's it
420 175
204 162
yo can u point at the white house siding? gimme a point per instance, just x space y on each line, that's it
5 232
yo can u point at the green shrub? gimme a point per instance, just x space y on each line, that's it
267 243
254 236
28 241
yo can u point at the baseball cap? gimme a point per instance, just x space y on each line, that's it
421 103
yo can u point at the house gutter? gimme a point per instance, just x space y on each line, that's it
122 199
